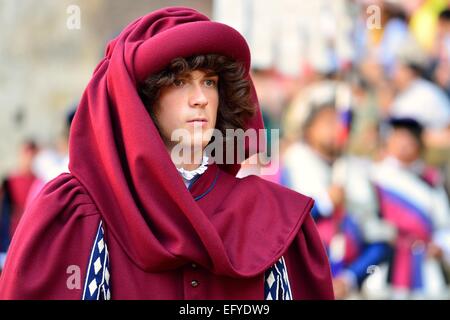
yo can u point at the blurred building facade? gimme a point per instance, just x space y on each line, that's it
45 65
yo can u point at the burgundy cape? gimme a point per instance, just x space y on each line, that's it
155 228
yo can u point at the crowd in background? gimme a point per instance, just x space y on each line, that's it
364 120
368 137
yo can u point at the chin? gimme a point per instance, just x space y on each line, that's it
195 145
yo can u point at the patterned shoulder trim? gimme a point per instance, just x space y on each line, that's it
276 284
97 286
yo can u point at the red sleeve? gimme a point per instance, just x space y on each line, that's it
50 249
307 265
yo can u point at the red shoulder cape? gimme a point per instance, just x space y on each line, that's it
242 227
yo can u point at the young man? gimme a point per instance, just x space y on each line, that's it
122 223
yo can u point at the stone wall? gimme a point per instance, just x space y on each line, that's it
45 66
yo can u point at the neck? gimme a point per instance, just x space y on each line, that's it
188 161
326 156
409 164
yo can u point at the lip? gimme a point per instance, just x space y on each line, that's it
197 120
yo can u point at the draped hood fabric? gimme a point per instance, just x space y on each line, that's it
121 174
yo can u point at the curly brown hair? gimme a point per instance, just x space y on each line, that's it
235 105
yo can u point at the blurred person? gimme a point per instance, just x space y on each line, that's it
413 201
395 30
311 123
51 162
440 72
418 98
363 139
139 224
378 86
322 86
308 167
15 189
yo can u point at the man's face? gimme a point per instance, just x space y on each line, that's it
402 145
402 76
190 103
322 133
443 26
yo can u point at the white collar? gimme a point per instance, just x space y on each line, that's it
417 166
189 175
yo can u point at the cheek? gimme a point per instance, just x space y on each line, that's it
397 147
166 124
411 149
213 98
328 130
167 115
213 106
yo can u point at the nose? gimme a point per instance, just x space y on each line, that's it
197 98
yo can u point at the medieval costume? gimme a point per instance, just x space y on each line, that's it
123 216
